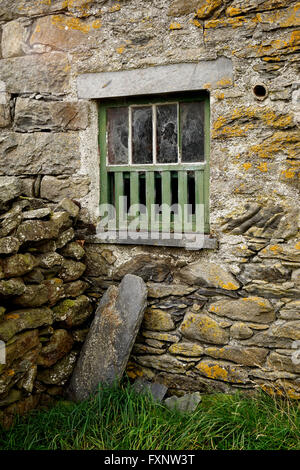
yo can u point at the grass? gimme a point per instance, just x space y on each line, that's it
119 419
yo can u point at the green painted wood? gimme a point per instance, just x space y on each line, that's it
166 167
182 194
166 199
134 188
119 192
150 194
104 198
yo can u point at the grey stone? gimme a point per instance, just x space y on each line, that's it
54 189
39 153
10 188
185 404
111 337
37 213
45 73
34 115
161 79
69 206
9 245
203 273
157 390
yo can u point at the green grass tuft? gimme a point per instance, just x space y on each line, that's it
119 419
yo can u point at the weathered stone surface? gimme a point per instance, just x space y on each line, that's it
71 270
9 245
60 372
18 265
164 362
185 404
10 188
240 330
35 115
55 290
9 287
37 230
282 362
164 290
207 7
95 263
46 73
157 320
290 329
201 327
186 349
69 206
33 296
20 345
65 237
202 273
27 382
13 35
60 344
73 250
107 347
54 189
183 7
240 355
24 319
222 370
291 310
73 312
5 117
50 260
169 338
18 370
75 288
145 349
37 213
156 390
145 266
254 309
39 153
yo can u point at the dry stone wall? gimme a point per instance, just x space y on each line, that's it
44 313
217 319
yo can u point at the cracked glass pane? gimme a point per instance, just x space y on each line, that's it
142 135
192 131
117 127
166 117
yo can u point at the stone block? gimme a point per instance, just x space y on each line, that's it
39 153
201 327
185 404
37 115
37 73
59 345
222 370
240 355
111 337
60 372
73 312
13 36
156 390
203 273
25 319
157 320
54 189
10 188
256 309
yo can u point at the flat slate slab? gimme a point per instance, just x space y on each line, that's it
112 334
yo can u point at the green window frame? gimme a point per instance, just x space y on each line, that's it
115 179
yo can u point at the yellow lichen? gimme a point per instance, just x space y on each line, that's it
247 165
175 26
263 167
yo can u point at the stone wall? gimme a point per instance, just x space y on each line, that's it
44 313
217 319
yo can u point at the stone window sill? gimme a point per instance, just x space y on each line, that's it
188 241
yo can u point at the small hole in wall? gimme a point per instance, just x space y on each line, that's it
260 91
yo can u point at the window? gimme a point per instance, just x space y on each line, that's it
154 155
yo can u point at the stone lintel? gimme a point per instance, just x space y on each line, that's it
152 80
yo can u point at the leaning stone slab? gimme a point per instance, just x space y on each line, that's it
185 404
111 337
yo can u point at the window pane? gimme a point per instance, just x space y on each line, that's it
167 133
142 134
117 126
192 131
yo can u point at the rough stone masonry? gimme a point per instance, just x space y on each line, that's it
217 319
